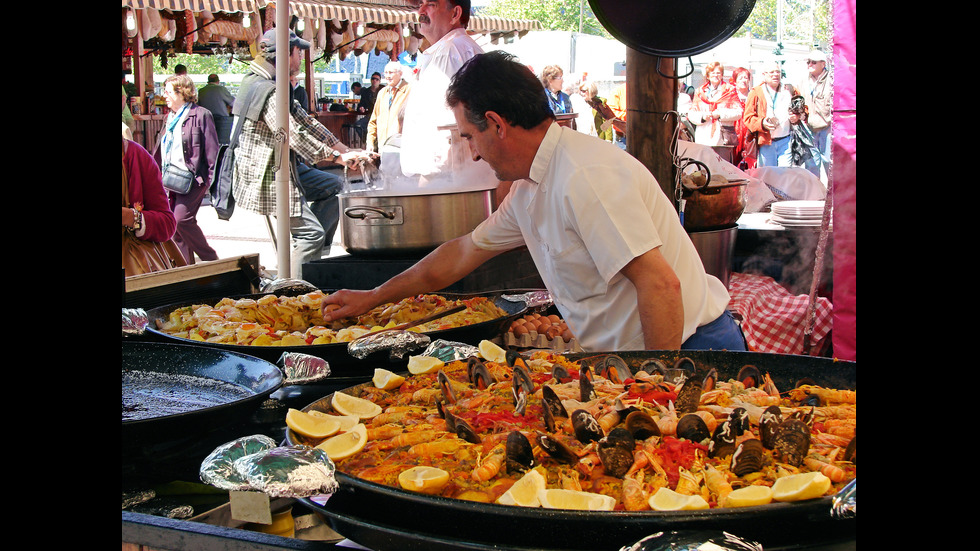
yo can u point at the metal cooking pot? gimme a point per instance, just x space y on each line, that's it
665 28
373 515
379 223
714 203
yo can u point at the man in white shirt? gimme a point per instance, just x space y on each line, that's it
426 150
604 237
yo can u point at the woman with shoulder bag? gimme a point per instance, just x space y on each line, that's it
148 225
186 151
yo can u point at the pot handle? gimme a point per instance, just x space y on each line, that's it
352 212
702 166
690 63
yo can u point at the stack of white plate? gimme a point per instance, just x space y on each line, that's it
795 214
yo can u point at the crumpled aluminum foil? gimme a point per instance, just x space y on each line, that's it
134 321
845 502
533 299
398 342
289 471
218 468
693 540
302 369
449 351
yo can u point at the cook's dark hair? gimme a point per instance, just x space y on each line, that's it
496 81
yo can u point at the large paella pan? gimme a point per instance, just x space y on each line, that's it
371 503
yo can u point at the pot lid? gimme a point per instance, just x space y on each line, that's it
666 28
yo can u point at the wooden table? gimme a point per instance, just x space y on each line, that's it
335 122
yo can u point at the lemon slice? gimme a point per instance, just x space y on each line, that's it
491 352
428 480
418 365
749 496
345 444
668 500
346 421
352 405
311 426
524 492
558 498
797 487
387 380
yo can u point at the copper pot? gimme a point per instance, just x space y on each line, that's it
711 202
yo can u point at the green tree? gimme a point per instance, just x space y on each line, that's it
799 26
554 15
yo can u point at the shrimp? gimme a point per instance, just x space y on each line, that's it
668 422
635 496
828 396
411 439
689 482
717 484
841 427
816 462
491 465
384 432
445 447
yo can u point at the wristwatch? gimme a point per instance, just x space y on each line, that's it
336 155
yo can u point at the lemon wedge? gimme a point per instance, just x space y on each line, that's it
524 492
346 421
418 365
311 426
668 500
387 380
425 479
345 444
797 487
491 352
749 496
558 498
346 404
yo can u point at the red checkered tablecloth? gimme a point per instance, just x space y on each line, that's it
773 320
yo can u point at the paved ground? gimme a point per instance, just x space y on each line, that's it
246 233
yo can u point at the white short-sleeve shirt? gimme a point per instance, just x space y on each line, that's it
587 210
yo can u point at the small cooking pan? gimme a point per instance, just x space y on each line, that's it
667 28
342 364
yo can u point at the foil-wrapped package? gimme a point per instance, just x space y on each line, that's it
534 299
218 468
449 351
398 342
289 471
134 321
845 501
693 540
302 369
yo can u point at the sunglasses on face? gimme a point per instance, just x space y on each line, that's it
811 62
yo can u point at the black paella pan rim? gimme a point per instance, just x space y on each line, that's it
773 524
342 364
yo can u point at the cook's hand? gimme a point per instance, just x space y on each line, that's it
346 304
794 118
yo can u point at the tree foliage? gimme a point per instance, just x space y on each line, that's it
554 15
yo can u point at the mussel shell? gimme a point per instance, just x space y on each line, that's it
615 452
770 419
512 356
747 457
523 379
792 441
479 373
685 363
689 396
587 428
586 390
642 425
557 449
652 366
519 453
560 374
614 368
727 433
465 431
710 380
693 428
520 399
750 376
445 385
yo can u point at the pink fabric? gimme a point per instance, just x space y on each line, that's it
773 320
844 162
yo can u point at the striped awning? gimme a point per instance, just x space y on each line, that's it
197 5
371 12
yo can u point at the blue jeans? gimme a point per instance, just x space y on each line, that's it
721 334
776 153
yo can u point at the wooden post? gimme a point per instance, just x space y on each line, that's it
649 95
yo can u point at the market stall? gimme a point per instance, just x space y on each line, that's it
255 389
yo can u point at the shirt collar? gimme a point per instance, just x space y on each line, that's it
542 159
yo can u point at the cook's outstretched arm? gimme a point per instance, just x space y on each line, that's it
444 266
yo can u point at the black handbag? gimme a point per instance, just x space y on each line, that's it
177 180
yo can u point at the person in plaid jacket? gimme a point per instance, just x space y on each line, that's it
256 160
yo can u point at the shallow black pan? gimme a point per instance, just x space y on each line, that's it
342 364
667 28
358 505
253 379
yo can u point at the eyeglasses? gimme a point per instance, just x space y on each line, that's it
811 62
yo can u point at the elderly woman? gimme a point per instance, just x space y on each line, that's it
552 77
186 149
746 149
715 108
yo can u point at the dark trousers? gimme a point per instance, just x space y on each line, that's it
320 189
190 237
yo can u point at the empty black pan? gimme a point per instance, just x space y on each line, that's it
668 28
